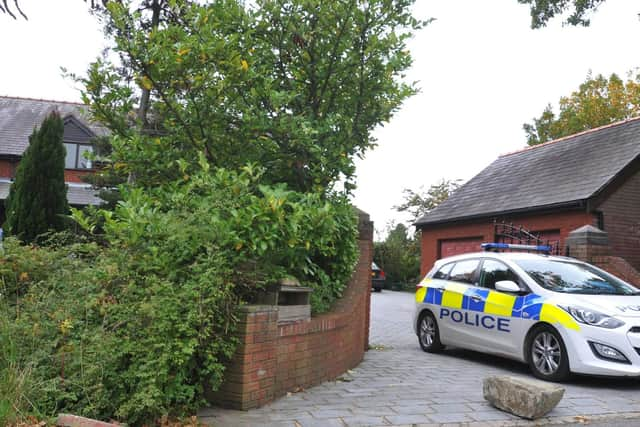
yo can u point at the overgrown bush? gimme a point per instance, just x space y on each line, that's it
35 295
136 327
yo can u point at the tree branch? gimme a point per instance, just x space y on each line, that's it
334 51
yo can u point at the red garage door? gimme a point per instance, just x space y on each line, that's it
449 247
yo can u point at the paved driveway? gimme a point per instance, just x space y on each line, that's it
398 384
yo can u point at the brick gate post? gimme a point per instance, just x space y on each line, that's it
249 378
589 244
365 243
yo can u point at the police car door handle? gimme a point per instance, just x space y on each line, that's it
476 298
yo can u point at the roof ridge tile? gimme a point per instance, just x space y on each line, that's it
41 100
564 138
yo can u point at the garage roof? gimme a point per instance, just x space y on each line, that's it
558 173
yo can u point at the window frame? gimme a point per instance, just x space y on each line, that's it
78 158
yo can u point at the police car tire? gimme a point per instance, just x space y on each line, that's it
435 346
562 372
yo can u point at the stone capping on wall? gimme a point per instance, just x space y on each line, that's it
587 242
273 359
318 324
588 235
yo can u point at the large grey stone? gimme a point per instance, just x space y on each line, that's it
523 397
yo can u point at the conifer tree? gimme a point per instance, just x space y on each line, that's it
38 196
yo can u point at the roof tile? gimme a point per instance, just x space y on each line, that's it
20 116
573 168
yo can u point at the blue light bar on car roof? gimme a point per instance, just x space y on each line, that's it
537 248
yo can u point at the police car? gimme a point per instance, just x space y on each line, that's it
557 314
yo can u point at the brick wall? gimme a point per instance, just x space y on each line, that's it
618 267
7 169
563 221
273 359
621 214
76 175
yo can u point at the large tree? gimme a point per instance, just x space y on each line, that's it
597 102
295 86
38 197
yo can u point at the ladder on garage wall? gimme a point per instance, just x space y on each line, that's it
517 234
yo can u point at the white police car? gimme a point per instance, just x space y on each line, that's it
557 314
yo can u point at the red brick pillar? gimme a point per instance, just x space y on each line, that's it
365 244
249 378
589 244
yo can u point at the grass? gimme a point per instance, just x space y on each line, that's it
15 381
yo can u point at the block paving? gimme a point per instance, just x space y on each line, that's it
397 384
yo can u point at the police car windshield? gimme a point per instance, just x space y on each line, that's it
568 277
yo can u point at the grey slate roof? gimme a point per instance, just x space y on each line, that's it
561 172
19 116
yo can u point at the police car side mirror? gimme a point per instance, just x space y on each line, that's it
507 286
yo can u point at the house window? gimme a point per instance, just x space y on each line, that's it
76 158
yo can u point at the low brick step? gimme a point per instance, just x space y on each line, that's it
68 420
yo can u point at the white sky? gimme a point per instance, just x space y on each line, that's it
482 74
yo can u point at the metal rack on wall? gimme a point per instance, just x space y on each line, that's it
512 234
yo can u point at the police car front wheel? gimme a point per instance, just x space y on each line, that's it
428 334
547 354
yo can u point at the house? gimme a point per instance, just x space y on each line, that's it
19 117
590 178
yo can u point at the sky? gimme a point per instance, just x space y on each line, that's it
482 73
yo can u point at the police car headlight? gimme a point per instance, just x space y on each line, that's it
593 317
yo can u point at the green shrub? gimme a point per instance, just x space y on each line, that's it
263 232
135 328
16 382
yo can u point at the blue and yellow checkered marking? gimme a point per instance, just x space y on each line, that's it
473 304
433 296
530 307
453 295
459 296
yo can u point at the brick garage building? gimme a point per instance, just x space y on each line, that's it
591 178
19 117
